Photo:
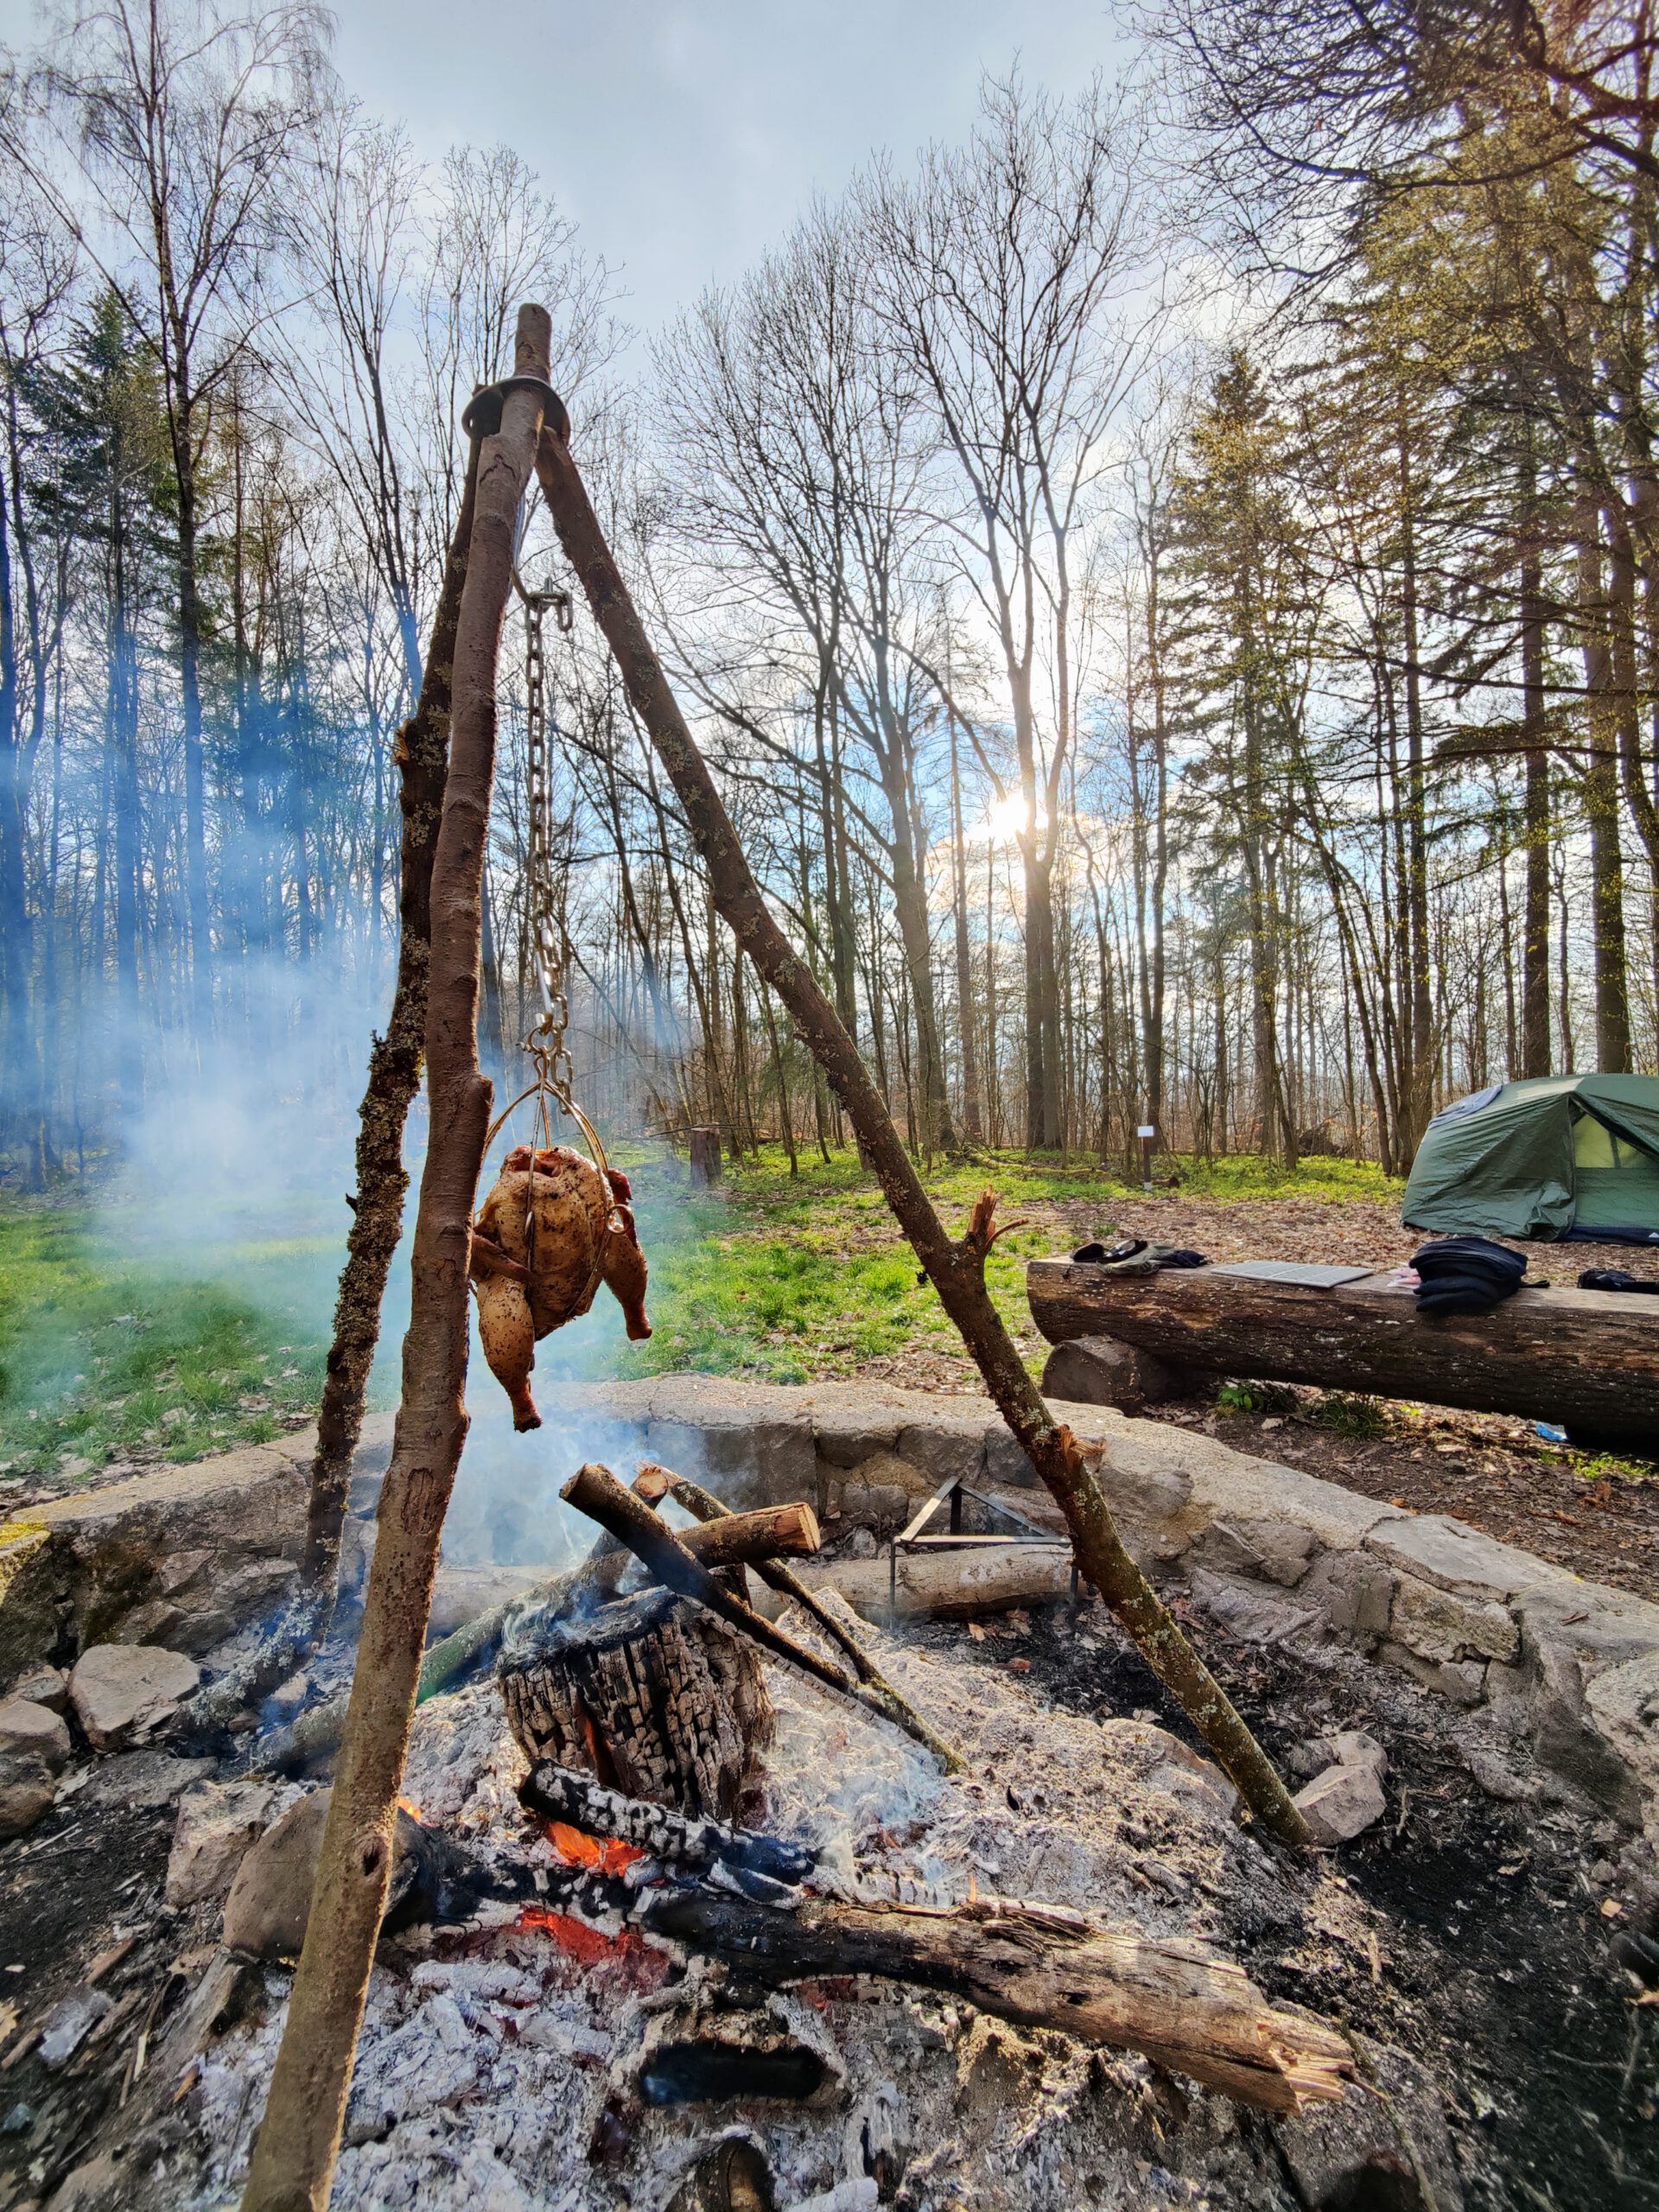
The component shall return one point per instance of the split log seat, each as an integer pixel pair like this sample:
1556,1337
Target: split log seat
1587,1359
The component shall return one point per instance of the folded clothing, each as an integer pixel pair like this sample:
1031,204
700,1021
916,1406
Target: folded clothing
1134,1255
1466,1275
1616,1279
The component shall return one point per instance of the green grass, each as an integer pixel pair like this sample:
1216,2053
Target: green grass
100,1358
106,1351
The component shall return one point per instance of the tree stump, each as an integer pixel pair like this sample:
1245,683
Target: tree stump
705,1155
1100,1371
651,1696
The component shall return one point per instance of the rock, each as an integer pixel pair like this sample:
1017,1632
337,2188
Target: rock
1247,1611
34,1595
47,1686
69,2023
882,1507
1347,1747
1463,1681
122,1692
34,1751
1497,1777
18,2120
1272,1551
1100,1372
1389,2150
1436,1623
1623,1703
218,1823
1353,1592
30,1731
1451,1555
1341,1803
206,1546
27,1794
270,1896
136,1781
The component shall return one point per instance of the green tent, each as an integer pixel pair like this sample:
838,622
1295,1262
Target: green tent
1557,1156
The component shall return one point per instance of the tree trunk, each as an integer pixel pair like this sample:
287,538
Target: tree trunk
1589,1359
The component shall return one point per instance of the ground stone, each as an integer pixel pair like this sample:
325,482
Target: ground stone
1341,1802
1278,1551
121,1692
270,1902
1246,1610
1352,1592
31,1730
27,1793
1436,1623
1347,1747
1463,1681
1624,1703
1451,1555
47,1686
218,1823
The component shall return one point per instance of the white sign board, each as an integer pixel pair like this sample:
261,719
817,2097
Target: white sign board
1147,1129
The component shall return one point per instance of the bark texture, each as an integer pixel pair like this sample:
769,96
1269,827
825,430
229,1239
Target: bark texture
293,2158
956,1270
650,1696
1586,1358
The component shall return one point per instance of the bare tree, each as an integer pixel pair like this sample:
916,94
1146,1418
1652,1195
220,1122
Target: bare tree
178,125
1007,274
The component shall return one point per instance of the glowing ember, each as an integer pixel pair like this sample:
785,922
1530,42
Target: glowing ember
587,1946
598,1856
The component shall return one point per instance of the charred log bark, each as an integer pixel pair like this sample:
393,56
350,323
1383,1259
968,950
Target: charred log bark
650,1696
653,1483
1198,2015
594,1491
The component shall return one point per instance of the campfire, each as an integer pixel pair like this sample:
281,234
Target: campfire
671,1920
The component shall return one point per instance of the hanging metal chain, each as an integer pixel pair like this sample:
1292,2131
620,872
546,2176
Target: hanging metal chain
546,1042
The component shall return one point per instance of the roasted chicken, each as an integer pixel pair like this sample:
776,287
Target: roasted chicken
543,1241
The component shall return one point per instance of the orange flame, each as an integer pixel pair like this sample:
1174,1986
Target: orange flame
587,1946
577,1849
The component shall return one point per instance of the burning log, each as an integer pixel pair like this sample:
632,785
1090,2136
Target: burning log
651,1697
653,1483
557,1794
1038,1965
744,1538
595,1491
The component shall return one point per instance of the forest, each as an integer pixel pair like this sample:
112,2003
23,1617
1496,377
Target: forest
1170,585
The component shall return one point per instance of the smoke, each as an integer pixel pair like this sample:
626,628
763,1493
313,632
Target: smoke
234,1175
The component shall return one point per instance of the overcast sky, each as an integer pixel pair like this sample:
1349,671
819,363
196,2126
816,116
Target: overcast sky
684,137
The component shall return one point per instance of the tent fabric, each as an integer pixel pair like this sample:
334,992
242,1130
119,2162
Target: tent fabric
1550,1157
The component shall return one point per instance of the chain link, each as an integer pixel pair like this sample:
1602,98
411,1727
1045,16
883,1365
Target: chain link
546,1042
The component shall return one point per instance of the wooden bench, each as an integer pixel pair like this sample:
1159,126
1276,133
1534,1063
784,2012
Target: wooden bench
1587,1359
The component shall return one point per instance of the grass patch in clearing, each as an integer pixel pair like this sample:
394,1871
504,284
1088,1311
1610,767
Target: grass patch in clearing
105,1353
100,1359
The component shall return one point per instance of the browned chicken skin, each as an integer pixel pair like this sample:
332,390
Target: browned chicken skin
576,1244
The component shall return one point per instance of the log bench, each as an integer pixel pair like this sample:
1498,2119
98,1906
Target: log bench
1587,1359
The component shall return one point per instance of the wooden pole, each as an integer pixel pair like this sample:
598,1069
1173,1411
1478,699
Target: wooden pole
422,755
956,1270
299,2140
